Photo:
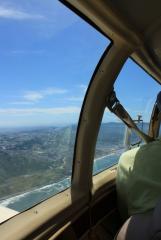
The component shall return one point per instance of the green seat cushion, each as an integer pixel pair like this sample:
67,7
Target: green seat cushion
138,179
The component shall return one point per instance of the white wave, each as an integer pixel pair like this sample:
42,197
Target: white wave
97,159
59,186
12,200
116,152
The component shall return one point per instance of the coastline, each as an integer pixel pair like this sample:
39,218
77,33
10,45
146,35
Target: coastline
97,159
114,152
5,202
55,187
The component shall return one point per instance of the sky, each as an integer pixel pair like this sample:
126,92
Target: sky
47,57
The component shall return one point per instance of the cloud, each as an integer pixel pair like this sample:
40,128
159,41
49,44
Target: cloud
83,86
11,13
33,111
30,97
51,91
75,99
33,96
21,103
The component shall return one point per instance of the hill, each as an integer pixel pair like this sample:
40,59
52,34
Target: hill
33,158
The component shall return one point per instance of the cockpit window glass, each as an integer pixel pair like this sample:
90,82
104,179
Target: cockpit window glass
110,143
137,92
48,55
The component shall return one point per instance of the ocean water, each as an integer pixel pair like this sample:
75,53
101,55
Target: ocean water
28,199
105,162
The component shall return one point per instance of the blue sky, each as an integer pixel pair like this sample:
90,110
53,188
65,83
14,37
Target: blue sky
48,55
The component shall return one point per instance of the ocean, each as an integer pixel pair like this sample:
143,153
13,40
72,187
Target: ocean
28,199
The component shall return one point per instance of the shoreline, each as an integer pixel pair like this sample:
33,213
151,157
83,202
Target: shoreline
110,154
12,198
4,201
97,159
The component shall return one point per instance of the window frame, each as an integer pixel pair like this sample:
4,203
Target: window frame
150,119
87,21
57,210
66,202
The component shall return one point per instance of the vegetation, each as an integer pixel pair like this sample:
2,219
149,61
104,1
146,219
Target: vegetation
33,158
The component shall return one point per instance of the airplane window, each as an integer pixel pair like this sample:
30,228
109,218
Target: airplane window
110,142
137,92
48,55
